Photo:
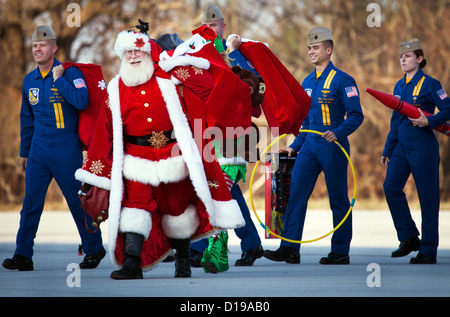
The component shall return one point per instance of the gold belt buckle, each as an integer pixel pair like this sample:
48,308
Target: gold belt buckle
158,139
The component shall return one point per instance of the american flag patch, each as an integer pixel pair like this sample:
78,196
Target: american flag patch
351,91
441,93
79,83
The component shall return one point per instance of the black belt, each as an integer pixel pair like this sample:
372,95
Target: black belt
156,139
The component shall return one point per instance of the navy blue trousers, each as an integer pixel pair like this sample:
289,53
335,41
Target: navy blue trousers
50,158
423,163
313,158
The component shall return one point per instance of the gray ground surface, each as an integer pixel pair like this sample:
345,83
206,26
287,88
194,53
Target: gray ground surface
371,274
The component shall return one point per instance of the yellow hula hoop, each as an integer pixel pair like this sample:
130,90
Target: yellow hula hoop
335,228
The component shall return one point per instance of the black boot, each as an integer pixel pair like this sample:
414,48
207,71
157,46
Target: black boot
131,269
182,257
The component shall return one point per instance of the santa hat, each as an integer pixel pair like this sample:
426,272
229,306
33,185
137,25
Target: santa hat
130,40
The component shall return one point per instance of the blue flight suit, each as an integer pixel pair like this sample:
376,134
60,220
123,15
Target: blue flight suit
415,150
248,234
49,139
334,96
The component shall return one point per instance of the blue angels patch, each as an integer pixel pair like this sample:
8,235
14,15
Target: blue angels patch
33,95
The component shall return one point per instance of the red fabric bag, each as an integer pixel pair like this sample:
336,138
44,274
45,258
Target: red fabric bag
87,119
286,103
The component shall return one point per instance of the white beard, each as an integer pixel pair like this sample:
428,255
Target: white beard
136,75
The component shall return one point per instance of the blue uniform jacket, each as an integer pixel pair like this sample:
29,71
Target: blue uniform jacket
335,96
50,108
426,93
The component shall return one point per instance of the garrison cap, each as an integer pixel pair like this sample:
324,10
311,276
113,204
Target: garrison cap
43,33
409,46
319,34
212,14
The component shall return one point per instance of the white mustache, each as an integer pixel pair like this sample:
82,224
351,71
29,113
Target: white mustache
135,60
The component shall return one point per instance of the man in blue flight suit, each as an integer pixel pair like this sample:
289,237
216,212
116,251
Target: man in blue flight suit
50,148
250,242
412,148
334,96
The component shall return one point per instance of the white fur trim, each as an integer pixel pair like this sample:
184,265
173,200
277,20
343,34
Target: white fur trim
135,220
116,194
92,179
126,41
175,80
184,60
186,143
228,215
182,226
170,170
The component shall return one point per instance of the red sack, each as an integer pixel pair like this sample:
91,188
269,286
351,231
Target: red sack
229,104
87,119
286,103
95,203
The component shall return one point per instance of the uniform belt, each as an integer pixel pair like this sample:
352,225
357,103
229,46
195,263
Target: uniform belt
156,139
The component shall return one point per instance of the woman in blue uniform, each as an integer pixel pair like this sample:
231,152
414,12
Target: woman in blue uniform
411,147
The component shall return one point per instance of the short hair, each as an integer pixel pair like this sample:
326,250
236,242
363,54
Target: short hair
328,43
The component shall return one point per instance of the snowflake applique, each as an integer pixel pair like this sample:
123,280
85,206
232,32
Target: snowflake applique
96,167
213,184
139,42
197,70
182,73
102,84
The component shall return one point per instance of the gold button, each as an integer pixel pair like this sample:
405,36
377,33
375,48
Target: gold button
146,104
149,120
143,92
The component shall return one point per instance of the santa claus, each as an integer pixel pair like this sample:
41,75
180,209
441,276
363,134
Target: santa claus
165,185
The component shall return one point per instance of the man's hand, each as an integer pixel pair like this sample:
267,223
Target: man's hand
329,136
384,160
233,43
23,163
58,71
290,151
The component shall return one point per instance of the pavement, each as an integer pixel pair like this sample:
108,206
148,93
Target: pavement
371,274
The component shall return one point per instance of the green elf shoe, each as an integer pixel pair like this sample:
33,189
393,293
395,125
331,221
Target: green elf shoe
215,257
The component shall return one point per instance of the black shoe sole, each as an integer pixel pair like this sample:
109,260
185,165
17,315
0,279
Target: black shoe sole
126,277
276,258
210,267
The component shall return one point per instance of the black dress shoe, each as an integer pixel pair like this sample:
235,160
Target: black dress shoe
287,254
93,260
406,247
18,262
422,259
334,258
249,257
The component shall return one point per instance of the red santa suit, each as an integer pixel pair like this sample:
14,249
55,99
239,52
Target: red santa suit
172,187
